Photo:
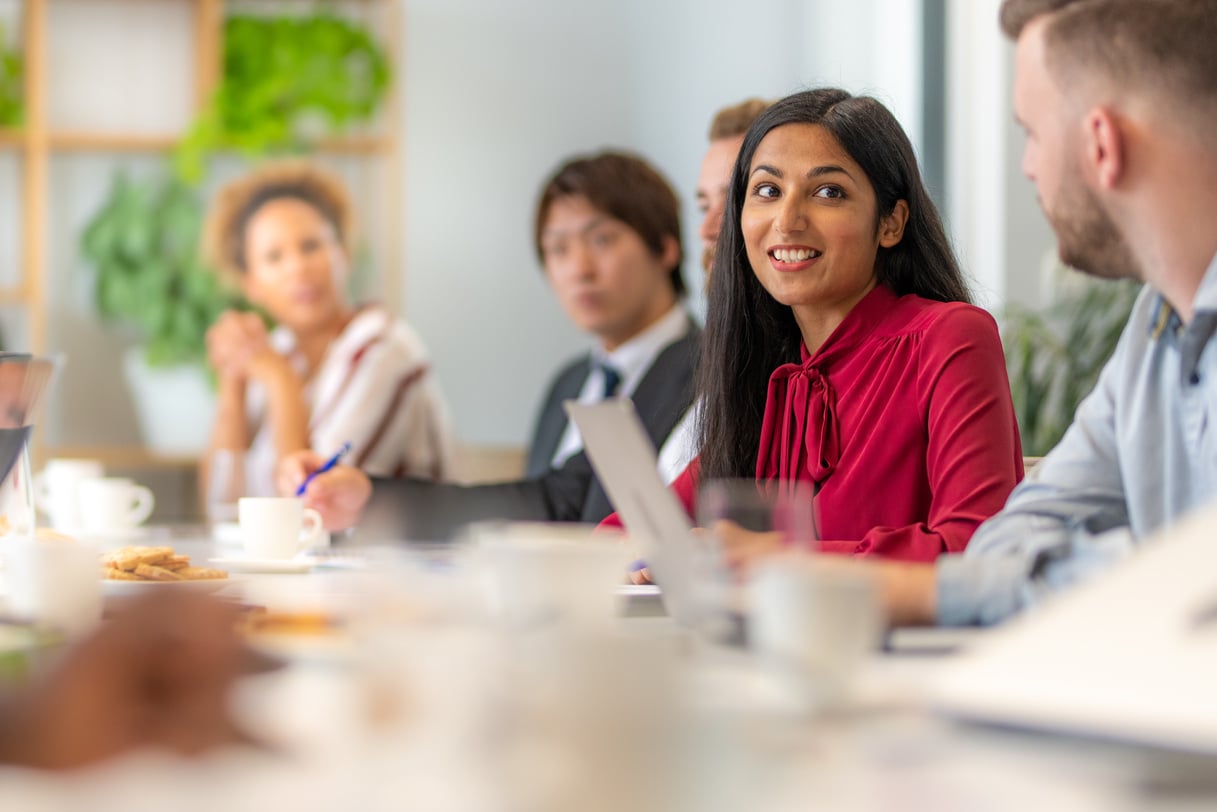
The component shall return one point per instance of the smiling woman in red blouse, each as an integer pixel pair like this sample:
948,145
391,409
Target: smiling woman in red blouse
840,347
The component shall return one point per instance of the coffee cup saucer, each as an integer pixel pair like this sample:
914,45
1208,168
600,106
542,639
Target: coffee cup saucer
267,566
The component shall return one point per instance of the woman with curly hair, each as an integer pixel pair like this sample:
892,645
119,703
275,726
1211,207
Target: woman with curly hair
330,372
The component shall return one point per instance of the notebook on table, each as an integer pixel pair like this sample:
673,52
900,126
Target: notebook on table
1130,655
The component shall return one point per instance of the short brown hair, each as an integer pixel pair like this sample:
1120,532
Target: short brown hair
626,188
1166,49
735,120
1015,14
237,202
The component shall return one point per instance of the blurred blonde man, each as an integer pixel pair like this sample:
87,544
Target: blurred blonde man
1118,99
726,137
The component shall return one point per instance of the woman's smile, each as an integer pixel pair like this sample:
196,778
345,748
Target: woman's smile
792,258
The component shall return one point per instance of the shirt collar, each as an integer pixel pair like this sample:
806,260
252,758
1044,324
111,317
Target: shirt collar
1206,294
633,358
1163,318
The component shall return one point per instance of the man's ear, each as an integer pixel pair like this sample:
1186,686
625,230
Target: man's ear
891,227
670,256
1104,147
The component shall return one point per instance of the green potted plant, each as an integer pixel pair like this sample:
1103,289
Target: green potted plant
287,81
1054,355
143,246
12,79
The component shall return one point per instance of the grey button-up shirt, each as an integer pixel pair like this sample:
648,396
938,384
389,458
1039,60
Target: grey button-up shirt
1142,451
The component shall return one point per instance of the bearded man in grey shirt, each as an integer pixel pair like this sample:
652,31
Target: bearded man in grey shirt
1118,99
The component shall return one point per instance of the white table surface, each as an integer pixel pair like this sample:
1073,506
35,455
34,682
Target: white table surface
427,705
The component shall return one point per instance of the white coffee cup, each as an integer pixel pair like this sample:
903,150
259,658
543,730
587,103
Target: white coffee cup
54,582
56,486
111,504
813,626
545,573
277,527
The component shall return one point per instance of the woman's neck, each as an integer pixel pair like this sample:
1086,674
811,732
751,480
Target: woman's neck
313,344
818,322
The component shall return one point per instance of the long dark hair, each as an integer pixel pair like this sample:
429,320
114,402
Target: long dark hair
748,333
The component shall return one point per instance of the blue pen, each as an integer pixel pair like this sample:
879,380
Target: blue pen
330,463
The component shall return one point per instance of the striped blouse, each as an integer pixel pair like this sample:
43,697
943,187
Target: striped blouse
375,389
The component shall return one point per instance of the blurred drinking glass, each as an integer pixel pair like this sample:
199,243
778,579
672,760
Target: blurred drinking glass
17,498
786,508
781,510
225,485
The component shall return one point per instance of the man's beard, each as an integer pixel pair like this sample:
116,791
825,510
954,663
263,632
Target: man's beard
1087,238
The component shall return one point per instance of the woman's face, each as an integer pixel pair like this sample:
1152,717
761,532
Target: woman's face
809,222
295,266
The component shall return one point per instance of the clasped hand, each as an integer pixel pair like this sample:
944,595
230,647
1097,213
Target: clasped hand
238,347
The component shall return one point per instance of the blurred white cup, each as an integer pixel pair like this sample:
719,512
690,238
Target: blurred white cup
113,504
278,527
54,582
56,489
544,573
813,626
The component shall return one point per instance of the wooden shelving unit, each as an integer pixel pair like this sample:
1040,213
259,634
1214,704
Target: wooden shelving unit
84,141
37,142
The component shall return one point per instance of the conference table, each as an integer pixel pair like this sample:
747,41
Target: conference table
411,695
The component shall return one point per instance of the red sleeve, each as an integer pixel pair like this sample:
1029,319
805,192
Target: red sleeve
685,486
973,457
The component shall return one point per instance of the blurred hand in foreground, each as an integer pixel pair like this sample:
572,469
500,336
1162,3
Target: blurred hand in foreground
743,548
339,494
157,673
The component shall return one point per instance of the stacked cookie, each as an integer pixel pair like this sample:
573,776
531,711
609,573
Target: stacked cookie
154,564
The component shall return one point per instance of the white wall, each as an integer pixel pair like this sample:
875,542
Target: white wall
998,229
497,93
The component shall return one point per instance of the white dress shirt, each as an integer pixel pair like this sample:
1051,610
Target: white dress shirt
632,360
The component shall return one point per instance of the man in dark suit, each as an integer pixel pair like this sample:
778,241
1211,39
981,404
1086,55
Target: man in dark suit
607,232
608,236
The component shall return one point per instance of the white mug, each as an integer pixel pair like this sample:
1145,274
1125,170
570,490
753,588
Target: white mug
55,489
277,527
110,504
542,573
813,626
53,582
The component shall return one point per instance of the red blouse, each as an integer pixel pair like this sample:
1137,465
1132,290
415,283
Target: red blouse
904,423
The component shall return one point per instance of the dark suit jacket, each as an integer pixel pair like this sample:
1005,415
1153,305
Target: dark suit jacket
552,421
426,511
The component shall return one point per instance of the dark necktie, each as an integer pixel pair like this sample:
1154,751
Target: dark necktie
612,381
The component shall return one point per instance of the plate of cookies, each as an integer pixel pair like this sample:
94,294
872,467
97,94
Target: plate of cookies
132,569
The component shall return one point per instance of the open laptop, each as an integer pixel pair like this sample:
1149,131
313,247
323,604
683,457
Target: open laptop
1130,655
625,461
